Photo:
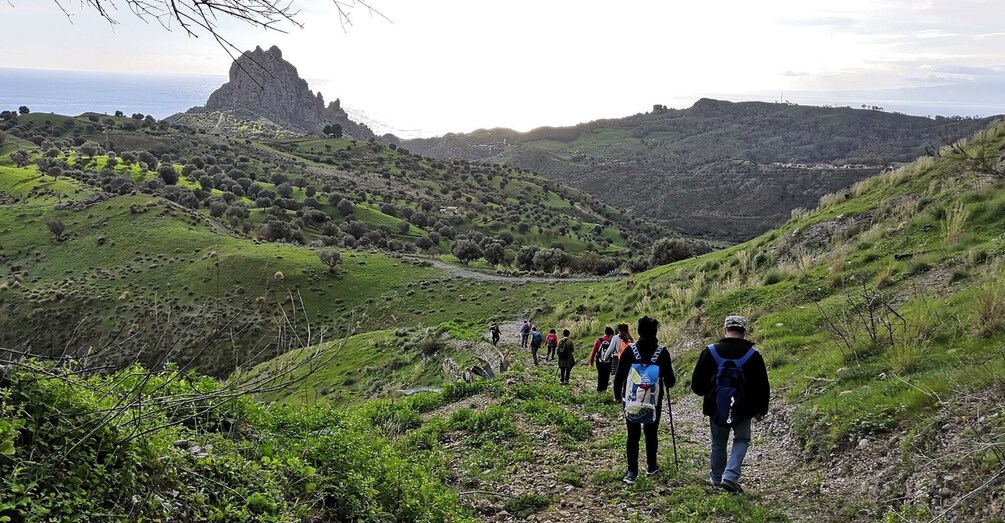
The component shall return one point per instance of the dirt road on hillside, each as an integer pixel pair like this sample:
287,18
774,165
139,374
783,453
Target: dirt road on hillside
471,274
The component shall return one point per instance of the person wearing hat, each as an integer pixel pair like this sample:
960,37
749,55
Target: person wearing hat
733,379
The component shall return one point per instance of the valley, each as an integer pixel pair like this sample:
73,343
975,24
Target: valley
245,313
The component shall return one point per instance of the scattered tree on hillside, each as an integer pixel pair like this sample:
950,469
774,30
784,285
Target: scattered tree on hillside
525,258
56,227
345,207
90,149
333,130
23,109
424,243
669,250
119,113
494,253
168,174
331,258
466,251
548,260
20,157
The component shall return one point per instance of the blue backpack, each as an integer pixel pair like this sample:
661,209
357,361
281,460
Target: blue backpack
642,388
536,340
727,388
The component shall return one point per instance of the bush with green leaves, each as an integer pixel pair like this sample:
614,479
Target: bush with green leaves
76,448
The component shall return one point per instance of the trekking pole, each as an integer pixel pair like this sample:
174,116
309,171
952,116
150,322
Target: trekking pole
673,433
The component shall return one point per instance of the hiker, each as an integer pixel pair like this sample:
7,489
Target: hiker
494,330
524,333
535,343
566,359
619,343
603,366
732,377
645,374
551,341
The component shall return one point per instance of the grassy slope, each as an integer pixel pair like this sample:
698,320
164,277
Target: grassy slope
166,258
428,174
943,287
822,259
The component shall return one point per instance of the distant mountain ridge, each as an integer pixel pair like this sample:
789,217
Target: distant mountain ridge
263,84
718,169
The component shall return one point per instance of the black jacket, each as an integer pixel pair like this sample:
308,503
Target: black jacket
755,375
646,350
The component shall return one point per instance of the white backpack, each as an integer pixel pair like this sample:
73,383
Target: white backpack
642,389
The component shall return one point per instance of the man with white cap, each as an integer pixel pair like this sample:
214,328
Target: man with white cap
732,377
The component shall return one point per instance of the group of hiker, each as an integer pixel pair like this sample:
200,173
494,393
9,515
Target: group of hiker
730,374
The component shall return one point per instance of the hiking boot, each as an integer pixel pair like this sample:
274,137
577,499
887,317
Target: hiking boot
630,478
653,471
713,484
731,486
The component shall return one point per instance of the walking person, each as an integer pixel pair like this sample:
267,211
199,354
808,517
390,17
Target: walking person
495,332
566,358
597,356
551,342
621,340
645,375
524,334
732,377
535,343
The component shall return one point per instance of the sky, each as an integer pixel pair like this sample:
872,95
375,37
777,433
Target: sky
434,66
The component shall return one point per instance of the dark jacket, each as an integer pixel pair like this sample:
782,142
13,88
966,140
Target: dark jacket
646,349
566,358
755,376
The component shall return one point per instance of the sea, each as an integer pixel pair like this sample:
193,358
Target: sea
76,92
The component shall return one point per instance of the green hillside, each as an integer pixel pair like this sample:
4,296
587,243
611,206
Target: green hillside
100,254
880,317
879,314
723,170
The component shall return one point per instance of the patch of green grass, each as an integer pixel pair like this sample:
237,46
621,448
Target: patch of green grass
526,505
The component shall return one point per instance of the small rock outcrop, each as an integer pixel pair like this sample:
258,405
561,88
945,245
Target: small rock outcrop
263,83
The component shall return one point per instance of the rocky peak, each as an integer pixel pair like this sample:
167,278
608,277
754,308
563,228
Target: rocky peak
265,84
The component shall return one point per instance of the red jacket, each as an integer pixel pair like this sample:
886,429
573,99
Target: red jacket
551,340
596,346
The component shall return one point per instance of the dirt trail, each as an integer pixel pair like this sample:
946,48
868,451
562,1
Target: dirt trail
771,471
472,274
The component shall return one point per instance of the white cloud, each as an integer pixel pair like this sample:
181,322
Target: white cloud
457,65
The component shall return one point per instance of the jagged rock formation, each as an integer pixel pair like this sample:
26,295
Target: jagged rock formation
266,85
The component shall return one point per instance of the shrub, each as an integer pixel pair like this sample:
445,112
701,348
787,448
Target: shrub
330,257
669,250
953,226
906,355
56,227
526,505
991,307
775,276
466,251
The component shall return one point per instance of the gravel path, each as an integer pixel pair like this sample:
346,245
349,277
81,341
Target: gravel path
472,274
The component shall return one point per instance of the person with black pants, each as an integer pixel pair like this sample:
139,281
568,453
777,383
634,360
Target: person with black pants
645,351
603,367
566,357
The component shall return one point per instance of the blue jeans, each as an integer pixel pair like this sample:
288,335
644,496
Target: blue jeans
721,468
